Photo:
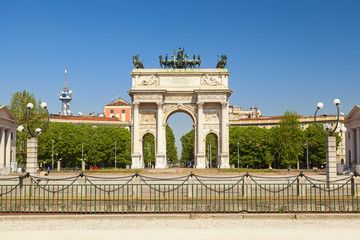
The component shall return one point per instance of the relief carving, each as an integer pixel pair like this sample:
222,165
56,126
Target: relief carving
210,81
150,81
148,116
179,97
212,116
212,106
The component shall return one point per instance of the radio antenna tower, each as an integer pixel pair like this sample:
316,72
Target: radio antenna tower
65,97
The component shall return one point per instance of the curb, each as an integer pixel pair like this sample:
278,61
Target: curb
183,216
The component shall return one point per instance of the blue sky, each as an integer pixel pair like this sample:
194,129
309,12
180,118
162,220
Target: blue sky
282,55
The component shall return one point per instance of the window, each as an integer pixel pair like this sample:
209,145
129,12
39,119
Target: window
111,111
123,111
123,104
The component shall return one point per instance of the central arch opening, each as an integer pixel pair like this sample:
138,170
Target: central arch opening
182,127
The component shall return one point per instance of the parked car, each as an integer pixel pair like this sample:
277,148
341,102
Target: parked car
94,168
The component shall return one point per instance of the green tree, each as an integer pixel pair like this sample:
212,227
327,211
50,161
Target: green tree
211,140
187,142
98,145
171,150
255,146
37,119
149,149
289,139
316,142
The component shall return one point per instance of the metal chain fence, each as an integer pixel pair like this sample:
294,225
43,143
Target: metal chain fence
86,194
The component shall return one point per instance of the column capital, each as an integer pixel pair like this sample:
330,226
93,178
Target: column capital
136,104
160,105
224,104
200,105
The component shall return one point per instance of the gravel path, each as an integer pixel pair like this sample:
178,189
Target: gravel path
181,227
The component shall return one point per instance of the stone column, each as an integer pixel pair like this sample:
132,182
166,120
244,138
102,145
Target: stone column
357,146
2,147
31,156
330,159
8,148
13,147
200,157
135,156
224,162
160,143
353,146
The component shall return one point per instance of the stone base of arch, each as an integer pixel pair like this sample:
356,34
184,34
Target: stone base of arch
160,161
224,161
203,94
136,162
200,161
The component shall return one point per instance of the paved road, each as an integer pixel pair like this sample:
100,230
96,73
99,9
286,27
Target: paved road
179,227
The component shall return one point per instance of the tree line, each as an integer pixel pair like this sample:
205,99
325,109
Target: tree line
71,143
282,146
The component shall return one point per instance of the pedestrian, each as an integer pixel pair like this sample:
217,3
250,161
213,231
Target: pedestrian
73,169
48,170
288,169
77,169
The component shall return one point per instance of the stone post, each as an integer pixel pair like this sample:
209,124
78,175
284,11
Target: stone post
191,182
81,180
356,185
31,156
59,165
135,155
224,157
160,161
330,159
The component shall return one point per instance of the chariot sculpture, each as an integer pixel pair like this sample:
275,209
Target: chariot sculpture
180,61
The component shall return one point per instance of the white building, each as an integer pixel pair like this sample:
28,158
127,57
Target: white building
8,126
352,123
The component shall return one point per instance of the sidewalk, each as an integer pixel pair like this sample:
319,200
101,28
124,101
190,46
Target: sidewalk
176,227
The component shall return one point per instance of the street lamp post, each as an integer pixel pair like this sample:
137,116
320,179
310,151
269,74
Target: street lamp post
307,154
330,144
82,156
238,152
31,155
149,160
52,155
115,155
210,157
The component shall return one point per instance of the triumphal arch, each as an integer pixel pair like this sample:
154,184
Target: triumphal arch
203,94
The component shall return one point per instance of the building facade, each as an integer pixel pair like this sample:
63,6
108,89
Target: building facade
271,121
90,120
8,125
352,123
119,109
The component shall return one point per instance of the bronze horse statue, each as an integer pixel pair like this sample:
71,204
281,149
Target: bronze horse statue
137,62
222,61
